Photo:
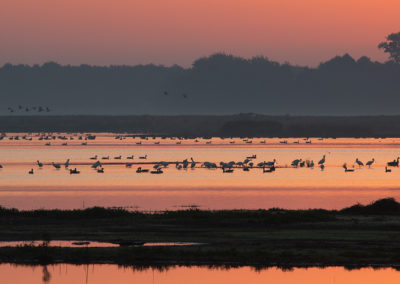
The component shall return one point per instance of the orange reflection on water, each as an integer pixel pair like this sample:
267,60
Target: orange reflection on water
121,186
105,274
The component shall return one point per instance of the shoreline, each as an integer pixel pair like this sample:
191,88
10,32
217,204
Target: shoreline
355,236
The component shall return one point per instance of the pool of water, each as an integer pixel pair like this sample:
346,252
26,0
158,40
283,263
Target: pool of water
121,186
90,244
105,274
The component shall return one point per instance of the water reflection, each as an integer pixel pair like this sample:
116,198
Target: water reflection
102,274
120,186
46,275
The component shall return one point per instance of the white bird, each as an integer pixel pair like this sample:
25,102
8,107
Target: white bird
322,161
359,163
369,163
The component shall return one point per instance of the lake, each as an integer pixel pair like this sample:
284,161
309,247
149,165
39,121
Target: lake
105,274
287,187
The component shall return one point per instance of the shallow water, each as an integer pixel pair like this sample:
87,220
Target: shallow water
119,186
90,244
102,274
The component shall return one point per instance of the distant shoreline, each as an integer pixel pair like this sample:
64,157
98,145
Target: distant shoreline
190,126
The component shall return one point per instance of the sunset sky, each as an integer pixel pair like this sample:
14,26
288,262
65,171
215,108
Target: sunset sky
105,32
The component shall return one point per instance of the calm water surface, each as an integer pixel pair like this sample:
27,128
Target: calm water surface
120,186
105,274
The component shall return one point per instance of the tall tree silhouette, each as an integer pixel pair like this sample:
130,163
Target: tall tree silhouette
392,46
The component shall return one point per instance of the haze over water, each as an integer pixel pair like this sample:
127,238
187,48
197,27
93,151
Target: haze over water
120,186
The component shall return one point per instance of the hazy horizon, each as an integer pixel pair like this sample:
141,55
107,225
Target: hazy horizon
170,32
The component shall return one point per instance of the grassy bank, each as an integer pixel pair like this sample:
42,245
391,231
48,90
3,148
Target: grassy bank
358,235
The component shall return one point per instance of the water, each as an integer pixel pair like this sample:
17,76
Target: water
207,189
89,244
104,274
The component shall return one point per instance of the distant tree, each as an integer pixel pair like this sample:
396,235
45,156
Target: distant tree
392,46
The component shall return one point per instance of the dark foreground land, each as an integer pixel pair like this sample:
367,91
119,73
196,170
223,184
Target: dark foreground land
241,125
355,236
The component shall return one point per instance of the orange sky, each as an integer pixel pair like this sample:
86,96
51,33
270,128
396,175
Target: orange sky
179,31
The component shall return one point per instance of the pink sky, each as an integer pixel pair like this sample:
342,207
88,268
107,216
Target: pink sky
105,32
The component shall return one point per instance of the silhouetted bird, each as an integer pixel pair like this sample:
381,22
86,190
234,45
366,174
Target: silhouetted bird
165,93
184,96
369,163
359,163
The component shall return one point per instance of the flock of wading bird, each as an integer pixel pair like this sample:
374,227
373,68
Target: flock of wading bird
144,140
227,167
